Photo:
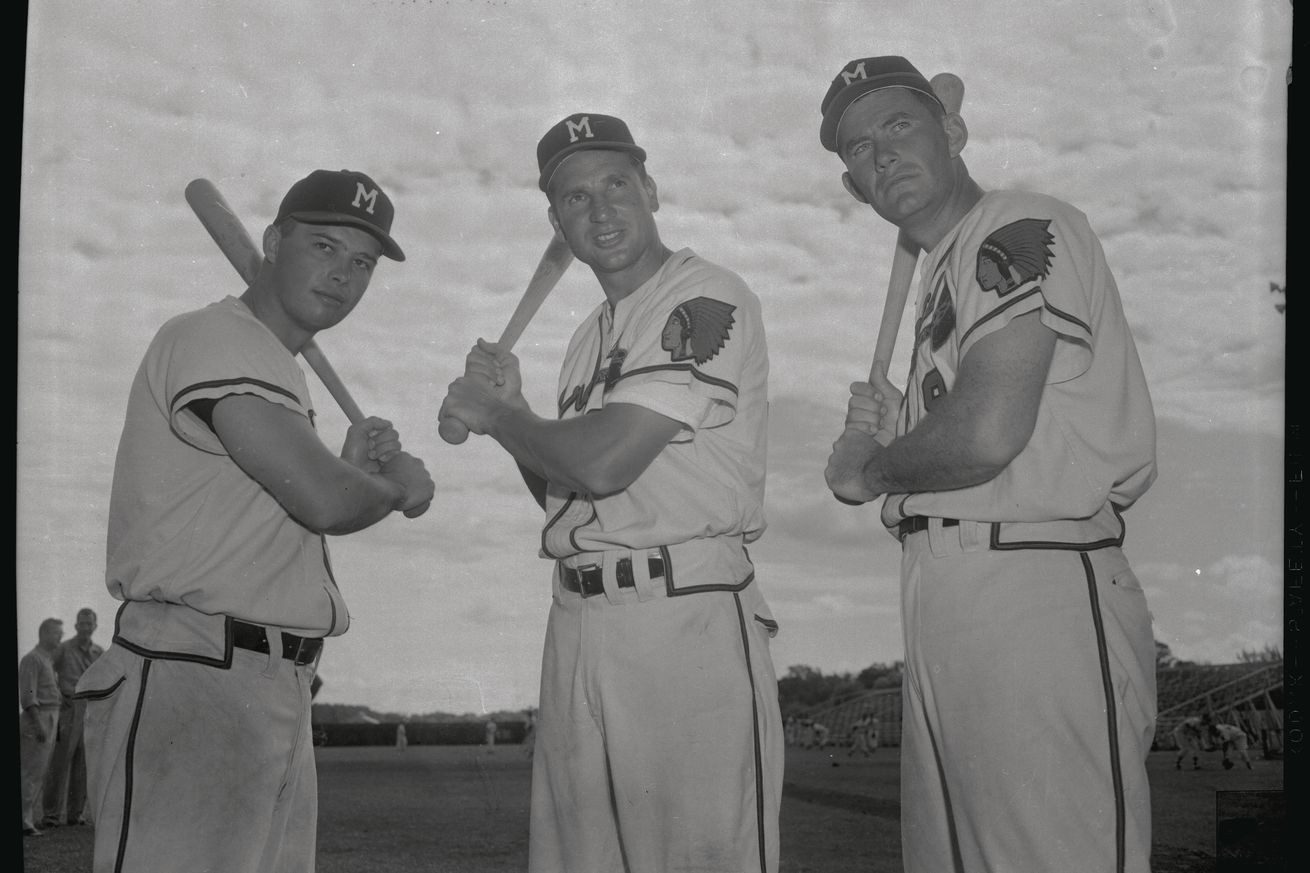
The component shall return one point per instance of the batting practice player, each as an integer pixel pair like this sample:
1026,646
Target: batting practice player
659,740
1025,432
1189,737
198,738
1231,737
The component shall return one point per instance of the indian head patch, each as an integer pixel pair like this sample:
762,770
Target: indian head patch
697,329
1015,255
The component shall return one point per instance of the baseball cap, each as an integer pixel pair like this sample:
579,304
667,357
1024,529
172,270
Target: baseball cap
583,130
859,77
343,197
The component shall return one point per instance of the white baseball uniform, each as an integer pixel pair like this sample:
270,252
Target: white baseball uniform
659,741
1190,738
1030,662
1232,737
199,744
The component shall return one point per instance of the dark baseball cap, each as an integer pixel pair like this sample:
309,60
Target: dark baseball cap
583,130
859,77
343,197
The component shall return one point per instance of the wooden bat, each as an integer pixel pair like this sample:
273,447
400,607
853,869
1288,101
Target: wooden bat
229,232
950,91
554,261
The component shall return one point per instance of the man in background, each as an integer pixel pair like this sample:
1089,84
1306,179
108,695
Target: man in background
38,719
65,781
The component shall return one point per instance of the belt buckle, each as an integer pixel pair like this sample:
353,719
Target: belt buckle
591,580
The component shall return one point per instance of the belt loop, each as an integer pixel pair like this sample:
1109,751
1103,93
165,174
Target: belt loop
609,573
274,653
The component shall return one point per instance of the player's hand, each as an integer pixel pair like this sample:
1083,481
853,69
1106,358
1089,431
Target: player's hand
499,367
410,473
874,406
845,471
473,400
370,444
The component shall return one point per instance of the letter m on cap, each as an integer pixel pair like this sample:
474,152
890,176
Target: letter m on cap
365,195
857,73
583,127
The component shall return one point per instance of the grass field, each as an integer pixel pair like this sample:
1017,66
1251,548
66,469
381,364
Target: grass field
463,809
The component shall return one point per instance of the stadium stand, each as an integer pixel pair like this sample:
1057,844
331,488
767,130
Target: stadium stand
1249,695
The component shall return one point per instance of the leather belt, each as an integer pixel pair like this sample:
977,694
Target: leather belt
916,523
301,650
589,579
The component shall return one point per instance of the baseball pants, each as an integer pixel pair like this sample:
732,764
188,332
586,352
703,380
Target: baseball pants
659,741
1029,710
200,769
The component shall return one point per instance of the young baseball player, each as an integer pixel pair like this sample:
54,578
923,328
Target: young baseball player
198,714
659,740
1025,433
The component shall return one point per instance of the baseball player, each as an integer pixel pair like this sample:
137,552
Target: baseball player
860,737
1190,737
659,740
1231,737
1025,433
199,748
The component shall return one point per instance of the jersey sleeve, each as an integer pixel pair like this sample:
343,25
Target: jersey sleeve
211,355
1031,256
690,347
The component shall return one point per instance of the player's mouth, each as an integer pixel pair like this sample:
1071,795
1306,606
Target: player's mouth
607,239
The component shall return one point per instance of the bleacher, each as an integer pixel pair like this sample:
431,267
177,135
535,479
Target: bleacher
1249,695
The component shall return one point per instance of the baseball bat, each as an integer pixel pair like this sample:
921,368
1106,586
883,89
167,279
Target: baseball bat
950,91
554,261
229,232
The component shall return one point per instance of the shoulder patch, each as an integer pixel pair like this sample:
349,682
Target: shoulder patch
1014,255
697,329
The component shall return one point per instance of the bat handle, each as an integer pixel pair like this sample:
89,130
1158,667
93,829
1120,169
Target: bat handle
453,431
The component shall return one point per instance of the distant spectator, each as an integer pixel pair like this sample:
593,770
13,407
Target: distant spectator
402,741
65,781
38,703
491,735
820,734
530,732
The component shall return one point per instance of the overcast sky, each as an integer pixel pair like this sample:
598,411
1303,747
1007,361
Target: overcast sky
1164,122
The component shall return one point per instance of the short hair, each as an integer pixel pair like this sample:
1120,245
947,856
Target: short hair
50,623
86,610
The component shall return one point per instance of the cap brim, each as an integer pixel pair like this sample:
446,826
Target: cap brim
389,247
558,158
837,109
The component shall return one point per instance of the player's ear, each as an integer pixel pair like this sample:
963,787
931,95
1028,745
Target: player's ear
272,239
554,222
957,134
853,188
652,192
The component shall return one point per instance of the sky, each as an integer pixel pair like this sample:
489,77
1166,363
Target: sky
1164,122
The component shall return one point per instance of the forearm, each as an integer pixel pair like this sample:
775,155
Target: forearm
556,451
351,500
943,453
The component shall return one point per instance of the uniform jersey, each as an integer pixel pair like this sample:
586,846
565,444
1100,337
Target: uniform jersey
682,639
186,524
688,345
1012,254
